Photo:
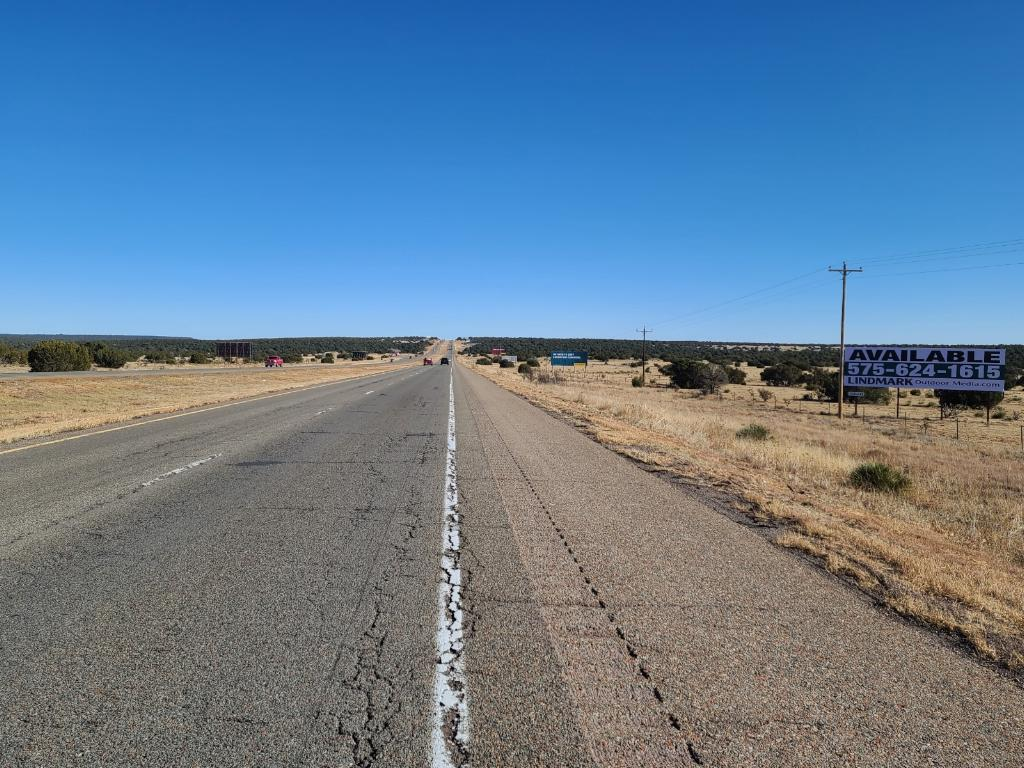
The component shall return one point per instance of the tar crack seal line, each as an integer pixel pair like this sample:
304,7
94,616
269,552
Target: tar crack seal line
179,470
449,744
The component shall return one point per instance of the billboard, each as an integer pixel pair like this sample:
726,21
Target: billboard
568,357
497,351
975,369
229,349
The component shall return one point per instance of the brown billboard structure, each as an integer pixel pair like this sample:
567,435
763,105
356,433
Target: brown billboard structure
230,349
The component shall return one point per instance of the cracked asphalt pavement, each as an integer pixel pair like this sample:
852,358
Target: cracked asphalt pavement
273,606
259,586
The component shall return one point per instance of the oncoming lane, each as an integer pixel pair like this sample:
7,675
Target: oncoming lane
275,604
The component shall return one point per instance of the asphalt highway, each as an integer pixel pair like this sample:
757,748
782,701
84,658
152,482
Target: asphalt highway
272,605
299,581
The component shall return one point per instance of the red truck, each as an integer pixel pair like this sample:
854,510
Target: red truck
428,361
273,362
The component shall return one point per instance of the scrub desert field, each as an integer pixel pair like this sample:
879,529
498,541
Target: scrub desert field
40,405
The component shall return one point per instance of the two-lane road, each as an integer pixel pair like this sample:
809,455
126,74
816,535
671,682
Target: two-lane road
419,569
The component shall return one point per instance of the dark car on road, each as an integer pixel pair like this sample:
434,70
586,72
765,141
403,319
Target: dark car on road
444,361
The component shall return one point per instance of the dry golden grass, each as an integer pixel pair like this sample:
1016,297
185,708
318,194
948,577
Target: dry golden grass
34,407
949,552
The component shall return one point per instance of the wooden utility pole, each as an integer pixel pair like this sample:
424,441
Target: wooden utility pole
842,331
643,355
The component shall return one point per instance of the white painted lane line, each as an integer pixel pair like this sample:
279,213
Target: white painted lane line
450,737
368,393
179,470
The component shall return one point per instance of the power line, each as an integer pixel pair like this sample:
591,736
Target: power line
960,251
766,295
711,307
911,257
759,301
950,269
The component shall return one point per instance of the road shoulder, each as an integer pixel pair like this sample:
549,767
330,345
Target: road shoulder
762,658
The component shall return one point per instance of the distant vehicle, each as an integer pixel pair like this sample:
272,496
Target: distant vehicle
444,361
273,362
428,361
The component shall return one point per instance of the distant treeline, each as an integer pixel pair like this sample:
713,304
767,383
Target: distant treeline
722,353
165,347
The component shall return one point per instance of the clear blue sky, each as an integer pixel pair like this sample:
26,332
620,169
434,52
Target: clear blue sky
258,169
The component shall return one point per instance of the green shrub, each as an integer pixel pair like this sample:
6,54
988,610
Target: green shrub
876,395
693,374
161,356
782,375
532,362
59,356
637,381
293,359
875,476
915,392
199,358
108,357
736,376
954,400
753,432
506,364
484,361
12,355
523,368
327,358
999,413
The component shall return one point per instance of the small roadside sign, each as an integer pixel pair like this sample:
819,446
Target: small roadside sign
855,394
569,358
